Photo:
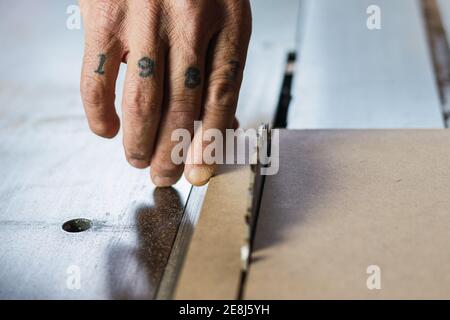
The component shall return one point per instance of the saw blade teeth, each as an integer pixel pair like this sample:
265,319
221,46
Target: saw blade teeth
245,257
255,184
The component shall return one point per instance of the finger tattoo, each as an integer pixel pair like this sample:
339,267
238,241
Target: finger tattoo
100,70
147,67
192,78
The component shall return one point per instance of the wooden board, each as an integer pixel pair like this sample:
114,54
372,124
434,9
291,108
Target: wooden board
351,77
213,265
347,200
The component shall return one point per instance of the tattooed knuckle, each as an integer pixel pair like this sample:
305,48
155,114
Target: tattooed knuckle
146,67
193,78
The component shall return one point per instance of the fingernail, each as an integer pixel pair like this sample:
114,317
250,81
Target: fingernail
199,176
138,163
163,182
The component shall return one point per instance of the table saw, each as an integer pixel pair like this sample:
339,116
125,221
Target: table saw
76,222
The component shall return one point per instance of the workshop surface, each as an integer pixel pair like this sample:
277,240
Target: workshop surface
53,170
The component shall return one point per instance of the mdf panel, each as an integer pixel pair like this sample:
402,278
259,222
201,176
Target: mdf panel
212,268
346,200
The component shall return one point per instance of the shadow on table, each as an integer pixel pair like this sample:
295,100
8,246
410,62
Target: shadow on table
135,271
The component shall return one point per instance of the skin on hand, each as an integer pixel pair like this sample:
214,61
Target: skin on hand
185,62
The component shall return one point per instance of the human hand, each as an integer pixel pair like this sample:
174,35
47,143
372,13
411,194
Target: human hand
185,63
